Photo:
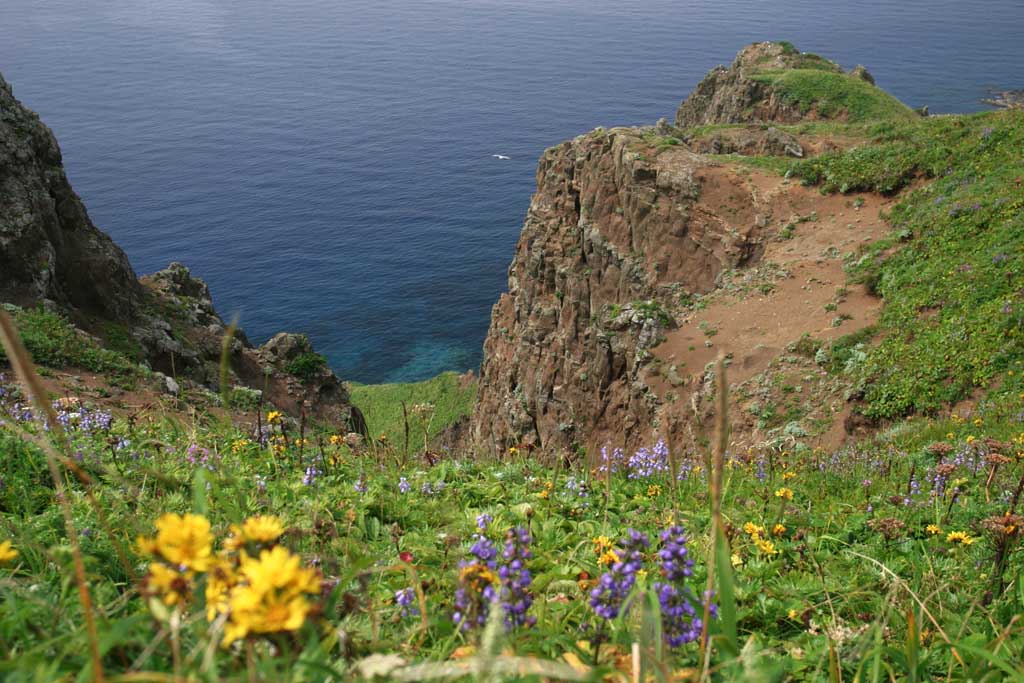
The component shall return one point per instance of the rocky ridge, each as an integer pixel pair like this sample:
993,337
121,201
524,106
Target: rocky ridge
52,255
628,228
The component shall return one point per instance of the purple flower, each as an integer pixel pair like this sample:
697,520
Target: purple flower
403,485
645,463
611,463
516,597
360,485
482,520
311,476
405,598
613,587
680,620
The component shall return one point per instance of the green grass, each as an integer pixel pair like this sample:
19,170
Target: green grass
53,342
382,406
951,272
833,590
832,93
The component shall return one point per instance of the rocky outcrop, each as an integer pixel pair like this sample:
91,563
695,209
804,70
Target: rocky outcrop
49,249
626,226
622,224
52,254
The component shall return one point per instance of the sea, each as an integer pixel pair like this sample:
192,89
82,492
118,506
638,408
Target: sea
328,166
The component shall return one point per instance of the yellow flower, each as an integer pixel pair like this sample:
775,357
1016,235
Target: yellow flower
793,614
653,491
977,422
786,476
641,573
600,543
279,569
270,597
778,529
219,582
752,529
970,438
736,560
172,586
239,445
7,552
933,529
784,493
765,546
959,537
337,439
608,557
273,416
263,529
184,541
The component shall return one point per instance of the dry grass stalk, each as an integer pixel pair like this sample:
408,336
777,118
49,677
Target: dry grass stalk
25,371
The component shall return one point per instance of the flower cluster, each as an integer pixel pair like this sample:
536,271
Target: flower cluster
647,463
515,579
254,584
680,621
405,598
613,587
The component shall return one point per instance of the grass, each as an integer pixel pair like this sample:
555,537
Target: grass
845,576
53,342
950,273
382,406
832,93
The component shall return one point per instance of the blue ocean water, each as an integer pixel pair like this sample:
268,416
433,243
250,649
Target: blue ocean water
326,164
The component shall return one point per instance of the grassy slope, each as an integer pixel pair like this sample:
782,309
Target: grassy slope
831,93
952,272
382,405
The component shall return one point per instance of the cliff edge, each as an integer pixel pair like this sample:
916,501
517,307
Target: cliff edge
640,244
51,255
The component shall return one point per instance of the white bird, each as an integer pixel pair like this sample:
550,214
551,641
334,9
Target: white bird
500,156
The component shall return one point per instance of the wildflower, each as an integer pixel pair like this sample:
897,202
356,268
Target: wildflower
646,463
601,543
7,552
933,529
653,491
784,493
735,560
474,595
262,529
614,585
764,546
793,614
359,486
515,579
183,541
680,623
403,485
959,538
273,417
608,557
220,579
405,599
752,529
240,445
786,476
611,463
482,520
778,529
172,586
311,474
272,597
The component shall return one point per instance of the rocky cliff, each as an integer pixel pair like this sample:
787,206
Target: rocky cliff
631,234
52,255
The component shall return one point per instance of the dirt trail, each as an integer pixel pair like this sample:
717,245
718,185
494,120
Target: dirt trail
798,287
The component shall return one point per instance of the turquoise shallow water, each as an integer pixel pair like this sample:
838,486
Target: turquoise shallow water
326,164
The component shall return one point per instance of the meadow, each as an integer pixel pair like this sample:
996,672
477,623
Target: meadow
179,546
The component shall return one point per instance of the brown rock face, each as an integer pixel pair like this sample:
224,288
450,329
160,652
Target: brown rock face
732,95
618,228
49,249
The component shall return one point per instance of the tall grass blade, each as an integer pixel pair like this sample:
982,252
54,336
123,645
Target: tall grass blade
23,368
